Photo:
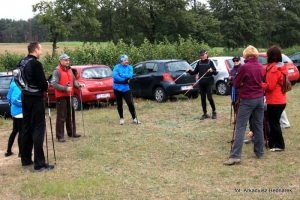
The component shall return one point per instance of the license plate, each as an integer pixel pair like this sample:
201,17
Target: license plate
186,87
102,96
291,70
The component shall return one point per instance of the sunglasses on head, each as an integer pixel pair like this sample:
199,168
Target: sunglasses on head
235,60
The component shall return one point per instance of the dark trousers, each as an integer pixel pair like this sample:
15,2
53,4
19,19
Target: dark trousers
34,130
128,99
274,112
64,113
206,91
17,128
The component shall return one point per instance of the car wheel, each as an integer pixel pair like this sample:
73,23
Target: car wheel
194,95
222,88
76,102
160,95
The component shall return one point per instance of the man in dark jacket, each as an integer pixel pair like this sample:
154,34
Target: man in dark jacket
206,69
34,111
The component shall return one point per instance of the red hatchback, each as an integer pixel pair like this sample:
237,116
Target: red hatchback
98,85
292,69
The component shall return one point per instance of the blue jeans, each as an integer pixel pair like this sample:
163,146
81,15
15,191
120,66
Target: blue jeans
246,108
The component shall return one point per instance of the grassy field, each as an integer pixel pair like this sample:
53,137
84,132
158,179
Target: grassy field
171,155
21,48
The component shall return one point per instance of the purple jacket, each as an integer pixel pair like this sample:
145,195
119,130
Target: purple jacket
249,79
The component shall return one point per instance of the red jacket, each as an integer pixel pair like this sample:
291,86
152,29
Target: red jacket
66,76
274,80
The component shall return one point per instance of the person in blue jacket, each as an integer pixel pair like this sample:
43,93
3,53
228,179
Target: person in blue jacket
14,98
122,73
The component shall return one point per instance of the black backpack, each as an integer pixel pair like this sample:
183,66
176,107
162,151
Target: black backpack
20,77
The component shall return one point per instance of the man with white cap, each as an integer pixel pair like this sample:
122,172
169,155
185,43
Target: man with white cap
64,82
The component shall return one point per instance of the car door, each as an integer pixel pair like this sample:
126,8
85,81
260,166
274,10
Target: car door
51,94
134,82
148,79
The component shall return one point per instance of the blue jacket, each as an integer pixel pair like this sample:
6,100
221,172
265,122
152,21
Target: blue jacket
120,74
14,98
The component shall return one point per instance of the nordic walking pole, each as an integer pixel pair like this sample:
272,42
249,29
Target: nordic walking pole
82,112
197,81
179,77
71,111
46,142
49,114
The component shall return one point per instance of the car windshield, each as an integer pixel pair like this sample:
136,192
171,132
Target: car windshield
178,66
5,82
96,73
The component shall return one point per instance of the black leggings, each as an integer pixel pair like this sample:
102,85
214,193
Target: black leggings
206,90
17,128
128,99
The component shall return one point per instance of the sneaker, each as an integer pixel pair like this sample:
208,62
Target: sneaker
61,140
45,168
232,161
8,153
276,149
247,141
122,121
204,116
136,121
214,115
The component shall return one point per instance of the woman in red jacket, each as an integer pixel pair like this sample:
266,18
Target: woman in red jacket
275,98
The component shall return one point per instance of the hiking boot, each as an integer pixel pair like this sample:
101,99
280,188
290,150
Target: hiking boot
204,116
122,121
61,140
232,161
136,121
45,168
214,115
75,135
8,153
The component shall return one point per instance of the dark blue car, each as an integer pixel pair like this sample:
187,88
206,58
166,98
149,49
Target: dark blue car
5,79
155,79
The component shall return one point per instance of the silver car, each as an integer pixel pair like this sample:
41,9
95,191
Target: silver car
223,64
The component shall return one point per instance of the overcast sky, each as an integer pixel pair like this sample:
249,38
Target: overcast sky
20,9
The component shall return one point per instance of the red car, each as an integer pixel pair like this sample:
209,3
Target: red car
98,86
292,69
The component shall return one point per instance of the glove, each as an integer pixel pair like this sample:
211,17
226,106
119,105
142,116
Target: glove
188,71
127,80
82,85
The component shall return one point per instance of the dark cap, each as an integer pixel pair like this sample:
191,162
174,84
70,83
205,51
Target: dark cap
202,52
236,58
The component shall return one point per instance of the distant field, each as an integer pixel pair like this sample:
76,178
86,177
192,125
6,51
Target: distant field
21,48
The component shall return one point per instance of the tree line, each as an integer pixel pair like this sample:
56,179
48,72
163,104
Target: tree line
224,23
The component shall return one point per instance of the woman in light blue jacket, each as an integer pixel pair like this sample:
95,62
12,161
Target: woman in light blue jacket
122,73
14,98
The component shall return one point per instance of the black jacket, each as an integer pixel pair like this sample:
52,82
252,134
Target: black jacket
202,67
35,75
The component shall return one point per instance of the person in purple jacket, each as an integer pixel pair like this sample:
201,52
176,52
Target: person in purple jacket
249,80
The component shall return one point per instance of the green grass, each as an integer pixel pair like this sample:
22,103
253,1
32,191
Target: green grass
171,155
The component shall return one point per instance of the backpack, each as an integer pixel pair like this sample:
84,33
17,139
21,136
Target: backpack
287,85
20,77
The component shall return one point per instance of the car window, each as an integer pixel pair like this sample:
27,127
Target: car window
177,66
96,73
295,57
262,60
5,82
138,69
150,67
